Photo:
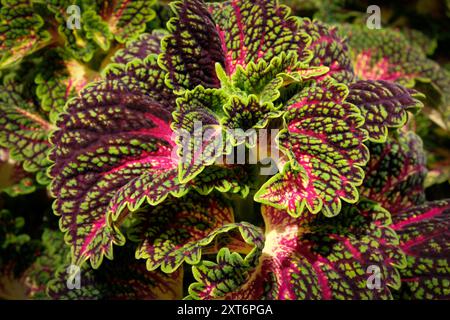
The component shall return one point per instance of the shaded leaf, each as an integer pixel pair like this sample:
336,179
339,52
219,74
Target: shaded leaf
122,279
396,172
146,44
425,239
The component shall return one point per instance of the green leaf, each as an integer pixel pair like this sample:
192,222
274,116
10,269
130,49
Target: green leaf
13,179
230,178
198,130
127,19
244,114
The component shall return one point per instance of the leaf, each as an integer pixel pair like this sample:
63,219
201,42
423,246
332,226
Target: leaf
122,279
146,44
318,258
425,239
113,148
198,130
383,104
176,232
323,141
245,114
20,31
254,92
17,252
329,49
23,131
217,279
95,30
421,40
396,173
127,19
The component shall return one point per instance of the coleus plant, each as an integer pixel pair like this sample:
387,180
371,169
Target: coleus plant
128,160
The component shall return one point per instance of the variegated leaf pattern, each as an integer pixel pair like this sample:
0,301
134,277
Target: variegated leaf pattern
17,252
264,80
329,49
113,148
248,113
97,25
319,258
232,34
24,131
383,104
425,239
51,255
215,279
396,172
80,29
324,143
